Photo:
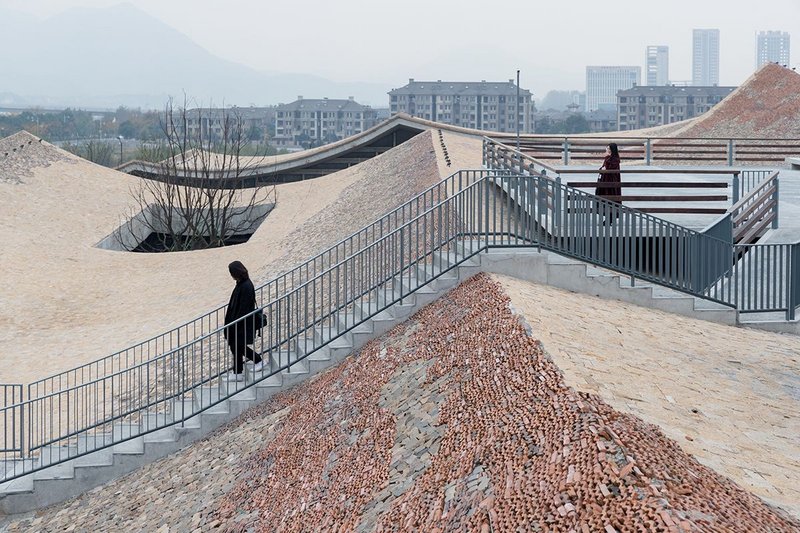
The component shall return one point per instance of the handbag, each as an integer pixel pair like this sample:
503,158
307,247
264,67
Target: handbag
259,320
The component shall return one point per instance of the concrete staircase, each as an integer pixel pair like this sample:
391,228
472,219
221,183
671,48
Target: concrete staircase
548,268
209,406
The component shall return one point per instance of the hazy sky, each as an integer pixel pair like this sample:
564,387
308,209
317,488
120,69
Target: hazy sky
389,42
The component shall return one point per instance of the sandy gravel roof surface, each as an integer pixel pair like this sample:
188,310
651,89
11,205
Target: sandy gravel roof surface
65,302
456,420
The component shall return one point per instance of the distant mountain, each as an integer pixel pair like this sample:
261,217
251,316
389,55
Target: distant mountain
122,55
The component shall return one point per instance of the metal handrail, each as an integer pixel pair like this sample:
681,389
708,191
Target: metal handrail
529,210
756,212
741,182
622,137
32,403
672,149
438,190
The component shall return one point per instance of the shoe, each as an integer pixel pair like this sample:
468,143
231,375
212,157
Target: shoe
258,367
233,376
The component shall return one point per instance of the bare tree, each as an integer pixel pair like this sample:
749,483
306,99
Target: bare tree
204,193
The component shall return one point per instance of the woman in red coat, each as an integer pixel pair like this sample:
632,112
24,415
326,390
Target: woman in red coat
611,162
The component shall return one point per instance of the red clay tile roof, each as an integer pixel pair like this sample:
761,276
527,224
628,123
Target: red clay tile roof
766,105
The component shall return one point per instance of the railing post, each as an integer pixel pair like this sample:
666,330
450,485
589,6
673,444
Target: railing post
776,197
566,151
487,188
735,187
731,152
648,150
399,262
792,287
22,423
557,205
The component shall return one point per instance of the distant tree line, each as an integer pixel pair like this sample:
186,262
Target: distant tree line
575,123
92,135
77,124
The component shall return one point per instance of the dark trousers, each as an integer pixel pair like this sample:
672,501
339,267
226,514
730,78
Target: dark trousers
241,350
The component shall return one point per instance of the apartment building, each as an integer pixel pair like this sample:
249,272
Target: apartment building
482,105
209,123
645,107
313,122
603,83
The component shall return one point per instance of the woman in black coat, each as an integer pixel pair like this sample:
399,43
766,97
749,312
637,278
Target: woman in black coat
242,333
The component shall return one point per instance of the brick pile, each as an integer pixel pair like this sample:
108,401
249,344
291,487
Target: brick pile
456,420
518,449
765,105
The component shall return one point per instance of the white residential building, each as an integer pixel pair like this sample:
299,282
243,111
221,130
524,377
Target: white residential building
603,83
478,105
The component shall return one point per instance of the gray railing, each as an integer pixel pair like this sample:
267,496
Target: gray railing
750,196
483,210
651,150
12,418
766,278
148,395
186,332
757,211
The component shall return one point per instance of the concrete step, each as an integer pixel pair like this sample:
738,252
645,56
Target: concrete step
210,398
234,389
94,456
65,470
54,454
21,485
391,297
183,408
329,335
353,321
316,353
438,276
453,257
296,363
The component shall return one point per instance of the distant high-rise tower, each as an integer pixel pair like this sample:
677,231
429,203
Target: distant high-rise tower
705,58
602,84
657,61
772,47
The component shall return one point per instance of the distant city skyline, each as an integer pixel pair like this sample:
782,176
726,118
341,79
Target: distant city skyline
447,42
